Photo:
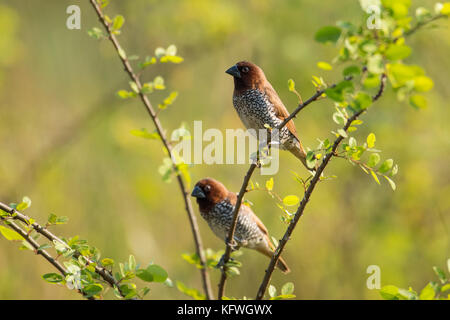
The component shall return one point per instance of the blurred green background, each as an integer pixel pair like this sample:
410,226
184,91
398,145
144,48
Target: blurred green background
66,143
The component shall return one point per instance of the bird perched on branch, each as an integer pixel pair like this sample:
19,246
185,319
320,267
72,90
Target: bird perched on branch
217,204
258,104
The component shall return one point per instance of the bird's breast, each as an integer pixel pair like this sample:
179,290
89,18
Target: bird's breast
255,109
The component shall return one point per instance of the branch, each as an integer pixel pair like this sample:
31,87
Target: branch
228,249
153,115
307,195
15,215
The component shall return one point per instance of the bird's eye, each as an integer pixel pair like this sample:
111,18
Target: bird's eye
245,69
207,188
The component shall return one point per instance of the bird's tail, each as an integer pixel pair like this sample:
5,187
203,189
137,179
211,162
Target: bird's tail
267,250
300,153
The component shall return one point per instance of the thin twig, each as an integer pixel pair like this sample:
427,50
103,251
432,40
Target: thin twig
307,195
153,115
26,236
230,238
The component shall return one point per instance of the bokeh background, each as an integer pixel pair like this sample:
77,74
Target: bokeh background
66,143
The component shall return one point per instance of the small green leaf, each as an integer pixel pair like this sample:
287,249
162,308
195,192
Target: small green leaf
287,289
423,83
291,85
374,158
386,166
342,133
324,65
371,140
389,292
269,184
391,182
26,203
93,289
143,133
418,101
398,52
106,262
10,234
428,292
272,291
328,34
351,70
118,22
291,200
441,274
53,277
375,177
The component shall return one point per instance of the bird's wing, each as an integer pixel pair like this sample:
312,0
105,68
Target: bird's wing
280,109
246,210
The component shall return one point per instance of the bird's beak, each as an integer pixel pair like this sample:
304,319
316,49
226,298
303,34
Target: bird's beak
198,193
234,71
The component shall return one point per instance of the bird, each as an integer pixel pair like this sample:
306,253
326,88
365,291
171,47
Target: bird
216,205
258,104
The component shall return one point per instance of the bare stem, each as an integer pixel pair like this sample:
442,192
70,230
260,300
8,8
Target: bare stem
153,115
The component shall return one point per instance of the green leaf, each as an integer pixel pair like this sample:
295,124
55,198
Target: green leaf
291,85
372,81
53,278
169,100
428,292
287,289
324,65
269,184
371,140
193,293
398,52
26,203
445,9
134,86
361,101
337,93
153,273
44,246
351,70
374,158
386,166
389,292
441,274
272,291
118,22
391,182
158,83
124,94
131,262
106,262
418,101
328,34
423,83
375,177
173,59
342,133
375,64
93,289
171,50
143,133
291,200
10,234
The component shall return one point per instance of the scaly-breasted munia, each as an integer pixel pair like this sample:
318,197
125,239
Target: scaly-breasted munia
217,204
258,104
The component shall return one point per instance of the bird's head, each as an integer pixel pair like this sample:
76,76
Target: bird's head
246,75
209,192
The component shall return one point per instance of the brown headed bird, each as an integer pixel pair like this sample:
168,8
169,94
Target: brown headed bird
257,104
216,205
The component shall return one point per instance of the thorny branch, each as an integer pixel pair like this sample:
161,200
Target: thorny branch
154,116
